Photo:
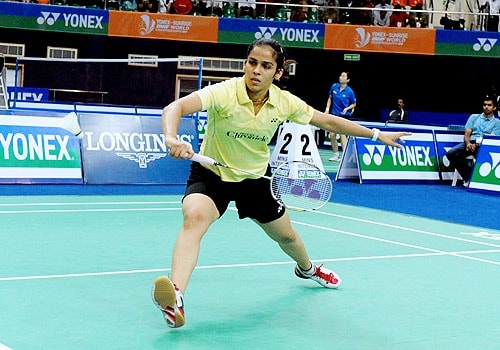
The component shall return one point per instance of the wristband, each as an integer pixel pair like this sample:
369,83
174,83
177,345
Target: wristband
376,132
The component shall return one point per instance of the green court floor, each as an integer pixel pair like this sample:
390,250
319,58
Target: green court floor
76,273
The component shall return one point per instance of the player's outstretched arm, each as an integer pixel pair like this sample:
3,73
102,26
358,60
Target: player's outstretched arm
344,126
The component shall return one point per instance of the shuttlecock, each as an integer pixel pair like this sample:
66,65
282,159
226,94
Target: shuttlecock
71,124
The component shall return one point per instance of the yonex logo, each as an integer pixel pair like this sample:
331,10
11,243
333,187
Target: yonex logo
375,154
265,32
362,38
147,25
71,20
289,34
419,156
445,160
485,169
48,17
484,43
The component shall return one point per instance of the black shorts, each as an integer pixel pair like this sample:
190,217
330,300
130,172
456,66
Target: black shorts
252,197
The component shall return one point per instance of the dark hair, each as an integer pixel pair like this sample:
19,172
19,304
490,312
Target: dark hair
491,98
280,53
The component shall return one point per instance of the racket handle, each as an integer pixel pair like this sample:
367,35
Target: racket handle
203,159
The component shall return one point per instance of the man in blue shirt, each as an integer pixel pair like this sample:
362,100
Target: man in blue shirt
477,125
341,103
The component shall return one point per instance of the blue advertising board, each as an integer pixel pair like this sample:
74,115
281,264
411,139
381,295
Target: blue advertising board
36,150
444,141
486,174
131,150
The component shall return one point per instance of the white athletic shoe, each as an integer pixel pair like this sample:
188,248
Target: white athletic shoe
335,158
169,299
322,275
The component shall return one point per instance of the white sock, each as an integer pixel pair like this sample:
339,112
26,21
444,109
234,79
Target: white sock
309,272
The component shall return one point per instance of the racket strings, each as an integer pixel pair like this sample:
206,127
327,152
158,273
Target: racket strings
304,194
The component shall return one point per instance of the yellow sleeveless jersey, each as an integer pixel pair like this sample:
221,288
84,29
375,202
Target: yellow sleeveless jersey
235,136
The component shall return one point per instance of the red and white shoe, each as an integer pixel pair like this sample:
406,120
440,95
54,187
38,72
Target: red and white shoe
169,299
322,275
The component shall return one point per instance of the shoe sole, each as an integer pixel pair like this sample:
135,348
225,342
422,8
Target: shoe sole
164,296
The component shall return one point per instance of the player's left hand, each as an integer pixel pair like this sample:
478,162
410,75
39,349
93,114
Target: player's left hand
394,139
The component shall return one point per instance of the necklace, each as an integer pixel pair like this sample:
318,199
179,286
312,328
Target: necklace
261,100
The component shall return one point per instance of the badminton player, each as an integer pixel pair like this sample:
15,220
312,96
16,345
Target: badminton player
243,114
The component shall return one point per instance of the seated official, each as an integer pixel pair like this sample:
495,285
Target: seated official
477,125
400,114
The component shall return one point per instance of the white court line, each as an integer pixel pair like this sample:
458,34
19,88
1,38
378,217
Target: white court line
62,204
83,210
433,252
205,267
493,262
4,347
407,229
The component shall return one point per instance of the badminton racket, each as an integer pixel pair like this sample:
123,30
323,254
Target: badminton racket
297,185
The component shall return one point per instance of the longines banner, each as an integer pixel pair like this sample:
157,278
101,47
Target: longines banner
290,34
379,39
131,150
53,18
163,26
468,43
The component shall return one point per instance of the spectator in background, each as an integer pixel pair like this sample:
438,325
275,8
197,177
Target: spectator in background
382,14
367,15
299,14
348,15
180,7
246,8
264,10
399,18
228,10
494,15
400,114
454,11
331,13
147,6
418,18
199,8
214,8
341,103
477,125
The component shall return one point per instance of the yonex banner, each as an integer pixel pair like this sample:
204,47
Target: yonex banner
53,18
379,39
444,141
416,161
163,26
486,174
468,43
290,34
131,150
34,150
